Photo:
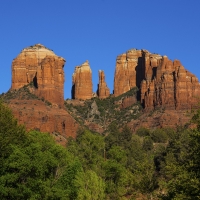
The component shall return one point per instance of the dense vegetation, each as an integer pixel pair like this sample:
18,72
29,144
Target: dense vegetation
159,164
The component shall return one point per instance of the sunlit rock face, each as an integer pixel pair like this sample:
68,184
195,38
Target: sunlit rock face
42,67
161,82
173,87
129,71
103,90
82,82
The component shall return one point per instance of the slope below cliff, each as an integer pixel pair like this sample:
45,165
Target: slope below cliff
124,110
39,114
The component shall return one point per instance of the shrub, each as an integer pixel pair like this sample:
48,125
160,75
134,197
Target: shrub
159,136
142,132
147,143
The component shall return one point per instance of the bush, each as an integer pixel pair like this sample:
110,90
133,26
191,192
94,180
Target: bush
159,136
142,132
147,143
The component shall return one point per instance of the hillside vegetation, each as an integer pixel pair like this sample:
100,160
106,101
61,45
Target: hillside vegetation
160,164
105,111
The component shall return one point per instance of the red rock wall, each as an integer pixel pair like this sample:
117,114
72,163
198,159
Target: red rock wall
173,87
40,65
103,90
82,82
161,81
35,115
129,72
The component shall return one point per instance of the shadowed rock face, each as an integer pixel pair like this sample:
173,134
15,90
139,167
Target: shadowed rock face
41,66
103,90
82,82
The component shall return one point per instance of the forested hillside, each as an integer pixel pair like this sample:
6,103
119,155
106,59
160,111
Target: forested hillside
160,164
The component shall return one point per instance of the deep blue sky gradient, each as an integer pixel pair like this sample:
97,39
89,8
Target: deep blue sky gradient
98,31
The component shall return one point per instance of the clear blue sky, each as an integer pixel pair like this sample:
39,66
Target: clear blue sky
98,31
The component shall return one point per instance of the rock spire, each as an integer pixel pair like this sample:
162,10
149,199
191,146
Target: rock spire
103,90
82,82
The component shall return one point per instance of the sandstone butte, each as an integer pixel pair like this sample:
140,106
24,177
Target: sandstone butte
41,66
82,82
103,90
161,82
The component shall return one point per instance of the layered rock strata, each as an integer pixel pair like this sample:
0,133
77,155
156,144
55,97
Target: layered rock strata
41,66
35,115
129,71
172,87
161,82
82,82
103,90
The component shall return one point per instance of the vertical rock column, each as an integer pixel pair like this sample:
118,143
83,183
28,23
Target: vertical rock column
103,91
129,71
82,82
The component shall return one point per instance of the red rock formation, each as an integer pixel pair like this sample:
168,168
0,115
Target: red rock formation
128,101
82,82
35,115
160,119
172,87
125,72
162,83
103,90
41,66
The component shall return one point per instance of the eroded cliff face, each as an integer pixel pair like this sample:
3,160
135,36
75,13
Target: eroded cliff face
171,87
103,90
162,83
129,71
41,66
82,82
35,115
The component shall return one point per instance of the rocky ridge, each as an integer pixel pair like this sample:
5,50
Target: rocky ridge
149,90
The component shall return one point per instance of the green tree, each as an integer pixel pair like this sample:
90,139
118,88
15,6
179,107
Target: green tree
182,166
10,131
142,132
89,186
147,143
91,148
159,136
118,154
32,170
118,179
145,176
113,136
